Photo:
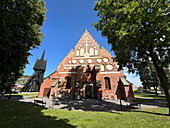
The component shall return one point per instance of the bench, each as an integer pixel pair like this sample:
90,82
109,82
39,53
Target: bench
131,104
36,101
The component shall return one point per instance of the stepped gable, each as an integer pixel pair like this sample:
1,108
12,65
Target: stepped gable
86,50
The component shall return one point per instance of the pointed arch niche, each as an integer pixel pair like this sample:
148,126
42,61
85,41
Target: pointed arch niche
96,52
82,52
102,67
91,51
77,53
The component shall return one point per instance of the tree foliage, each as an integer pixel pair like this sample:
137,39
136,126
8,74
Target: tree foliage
20,32
149,78
138,30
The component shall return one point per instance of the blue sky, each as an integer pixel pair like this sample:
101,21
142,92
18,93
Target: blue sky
66,22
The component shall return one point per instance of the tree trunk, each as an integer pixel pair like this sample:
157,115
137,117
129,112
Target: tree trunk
162,76
9,97
155,88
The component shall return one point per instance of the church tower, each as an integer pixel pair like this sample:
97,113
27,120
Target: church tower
34,82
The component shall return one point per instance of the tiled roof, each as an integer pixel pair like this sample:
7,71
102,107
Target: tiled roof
55,82
124,81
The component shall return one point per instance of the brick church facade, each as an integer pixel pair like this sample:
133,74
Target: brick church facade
87,72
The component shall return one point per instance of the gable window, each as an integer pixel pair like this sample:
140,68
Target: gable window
107,83
68,85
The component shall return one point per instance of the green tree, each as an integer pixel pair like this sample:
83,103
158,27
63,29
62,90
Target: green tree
20,32
149,78
137,31
125,76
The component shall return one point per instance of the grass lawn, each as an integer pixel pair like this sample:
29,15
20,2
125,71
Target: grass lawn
21,115
144,100
152,97
21,94
32,97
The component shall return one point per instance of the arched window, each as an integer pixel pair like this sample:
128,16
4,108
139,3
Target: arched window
107,83
68,85
77,53
102,67
91,51
82,52
96,52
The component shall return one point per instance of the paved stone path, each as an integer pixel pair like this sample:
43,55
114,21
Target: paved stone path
87,104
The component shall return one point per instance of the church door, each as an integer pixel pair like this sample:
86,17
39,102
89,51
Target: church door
88,92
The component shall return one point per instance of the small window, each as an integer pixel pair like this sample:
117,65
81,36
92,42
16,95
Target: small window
68,85
107,83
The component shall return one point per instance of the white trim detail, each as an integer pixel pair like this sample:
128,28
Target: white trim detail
67,72
108,72
106,60
109,67
81,61
87,57
99,60
74,65
74,61
89,61
79,64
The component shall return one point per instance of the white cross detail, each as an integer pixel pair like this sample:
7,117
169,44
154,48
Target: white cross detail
86,45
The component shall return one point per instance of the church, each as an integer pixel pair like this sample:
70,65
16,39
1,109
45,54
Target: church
88,71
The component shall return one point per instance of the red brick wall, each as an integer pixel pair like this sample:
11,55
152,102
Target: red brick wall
66,69
47,83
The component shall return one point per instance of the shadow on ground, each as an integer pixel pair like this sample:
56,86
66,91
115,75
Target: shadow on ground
90,105
152,102
17,115
102,105
95,104
151,113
